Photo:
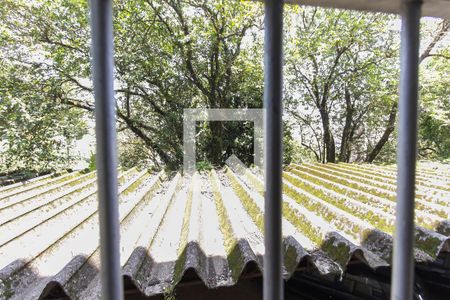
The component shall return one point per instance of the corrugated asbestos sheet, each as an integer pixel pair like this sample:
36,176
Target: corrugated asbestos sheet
212,222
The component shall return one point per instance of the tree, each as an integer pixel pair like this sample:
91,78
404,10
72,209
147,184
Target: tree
341,79
342,84
434,122
34,135
169,55
427,127
337,63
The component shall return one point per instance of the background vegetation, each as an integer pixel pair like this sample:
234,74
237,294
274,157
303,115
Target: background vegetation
341,81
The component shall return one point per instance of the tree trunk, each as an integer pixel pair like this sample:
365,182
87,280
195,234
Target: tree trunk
344,153
444,27
385,137
216,143
328,140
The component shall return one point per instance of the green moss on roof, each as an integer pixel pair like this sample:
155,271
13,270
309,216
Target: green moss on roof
302,224
349,218
235,256
181,261
250,206
330,216
358,194
362,213
290,258
338,251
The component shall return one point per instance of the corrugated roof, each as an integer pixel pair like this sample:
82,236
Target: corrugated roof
211,222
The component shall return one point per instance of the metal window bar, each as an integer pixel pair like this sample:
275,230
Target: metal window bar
105,123
273,131
403,254
102,50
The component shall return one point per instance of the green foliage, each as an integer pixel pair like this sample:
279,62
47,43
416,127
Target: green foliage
92,162
133,152
340,76
434,122
37,131
290,147
233,137
169,55
341,80
34,134
204,165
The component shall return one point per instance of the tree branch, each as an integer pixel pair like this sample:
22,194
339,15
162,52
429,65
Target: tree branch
444,28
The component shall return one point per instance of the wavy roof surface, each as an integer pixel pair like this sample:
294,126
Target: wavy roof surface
211,222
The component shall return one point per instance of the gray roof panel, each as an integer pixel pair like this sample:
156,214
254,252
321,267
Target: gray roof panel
212,223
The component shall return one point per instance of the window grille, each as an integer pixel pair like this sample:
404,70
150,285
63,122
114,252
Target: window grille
403,264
